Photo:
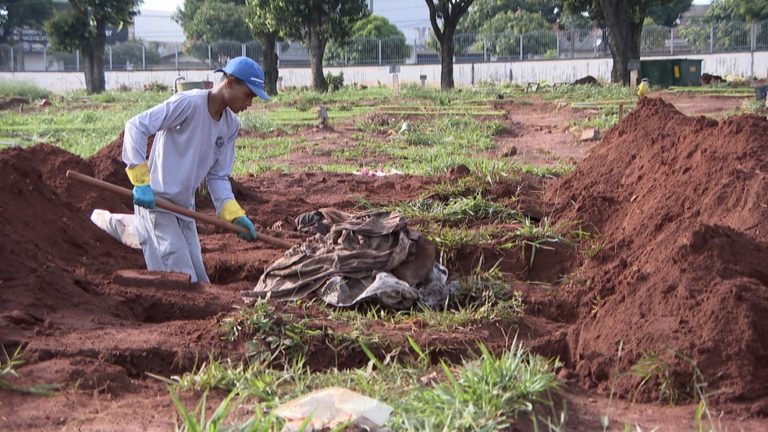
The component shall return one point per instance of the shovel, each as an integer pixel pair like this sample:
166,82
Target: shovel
167,205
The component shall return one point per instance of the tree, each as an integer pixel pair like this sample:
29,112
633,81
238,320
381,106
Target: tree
624,20
667,14
208,21
269,22
15,14
725,21
752,10
84,28
448,12
501,34
319,21
130,52
483,11
363,47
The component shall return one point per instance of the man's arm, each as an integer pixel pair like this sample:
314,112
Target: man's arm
220,188
168,114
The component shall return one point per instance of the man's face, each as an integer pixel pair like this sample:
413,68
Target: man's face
240,96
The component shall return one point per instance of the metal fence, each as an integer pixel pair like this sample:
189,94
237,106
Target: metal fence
691,38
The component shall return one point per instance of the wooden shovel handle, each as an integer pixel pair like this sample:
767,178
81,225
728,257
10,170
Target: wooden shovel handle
167,205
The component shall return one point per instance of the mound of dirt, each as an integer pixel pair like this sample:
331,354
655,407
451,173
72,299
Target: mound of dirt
12,103
108,163
50,249
681,208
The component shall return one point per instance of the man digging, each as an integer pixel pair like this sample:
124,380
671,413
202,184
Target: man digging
195,133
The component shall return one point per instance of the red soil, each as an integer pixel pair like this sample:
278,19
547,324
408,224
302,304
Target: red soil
681,207
679,204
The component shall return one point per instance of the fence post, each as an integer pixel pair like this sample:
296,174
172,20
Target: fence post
13,66
557,45
242,46
573,43
753,37
521,47
77,59
379,51
45,58
672,40
176,54
485,48
712,39
210,62
143,58
110,58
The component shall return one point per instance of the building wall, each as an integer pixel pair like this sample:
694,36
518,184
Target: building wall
552,71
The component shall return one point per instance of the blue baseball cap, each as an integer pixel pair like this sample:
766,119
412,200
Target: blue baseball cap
247,71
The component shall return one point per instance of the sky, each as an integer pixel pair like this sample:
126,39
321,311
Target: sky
411,16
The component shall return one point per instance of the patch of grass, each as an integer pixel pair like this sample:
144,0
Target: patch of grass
22,89
460,210
489,391
8,369
80,126
257,121
450,239
535,236
219,420
749,106
581,93
487,394
605,120
654,370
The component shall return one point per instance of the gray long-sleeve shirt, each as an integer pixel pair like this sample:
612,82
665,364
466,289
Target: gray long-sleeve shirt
190,146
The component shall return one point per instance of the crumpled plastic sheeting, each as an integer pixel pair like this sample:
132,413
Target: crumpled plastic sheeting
368,257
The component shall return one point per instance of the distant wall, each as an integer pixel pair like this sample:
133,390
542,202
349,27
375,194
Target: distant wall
553,71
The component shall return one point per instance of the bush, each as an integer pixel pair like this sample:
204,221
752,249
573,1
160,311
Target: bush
335,82
23,89
157,87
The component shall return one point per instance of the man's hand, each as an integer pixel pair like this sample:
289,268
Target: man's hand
142,191
246,223
144,197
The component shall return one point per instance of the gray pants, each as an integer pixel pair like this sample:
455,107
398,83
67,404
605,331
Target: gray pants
170,243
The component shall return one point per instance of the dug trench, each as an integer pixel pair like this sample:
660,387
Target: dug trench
73,295
675,267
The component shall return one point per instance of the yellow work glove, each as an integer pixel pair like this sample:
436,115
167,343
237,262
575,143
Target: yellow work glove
232,212
142,191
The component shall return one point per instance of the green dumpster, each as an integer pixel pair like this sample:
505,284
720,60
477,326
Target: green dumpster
688,73
671,72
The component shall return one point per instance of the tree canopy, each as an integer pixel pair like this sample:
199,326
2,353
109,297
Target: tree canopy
667,14
16,14
213,21
363,47
483,11
83,27
624,20
319,21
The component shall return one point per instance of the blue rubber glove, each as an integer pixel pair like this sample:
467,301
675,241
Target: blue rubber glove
246,223
144,197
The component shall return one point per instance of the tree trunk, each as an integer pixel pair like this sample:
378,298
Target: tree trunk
447,50
316,53
623,36
269,60
93,59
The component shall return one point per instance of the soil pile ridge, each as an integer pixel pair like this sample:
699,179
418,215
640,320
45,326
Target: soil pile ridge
680,205
52,255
